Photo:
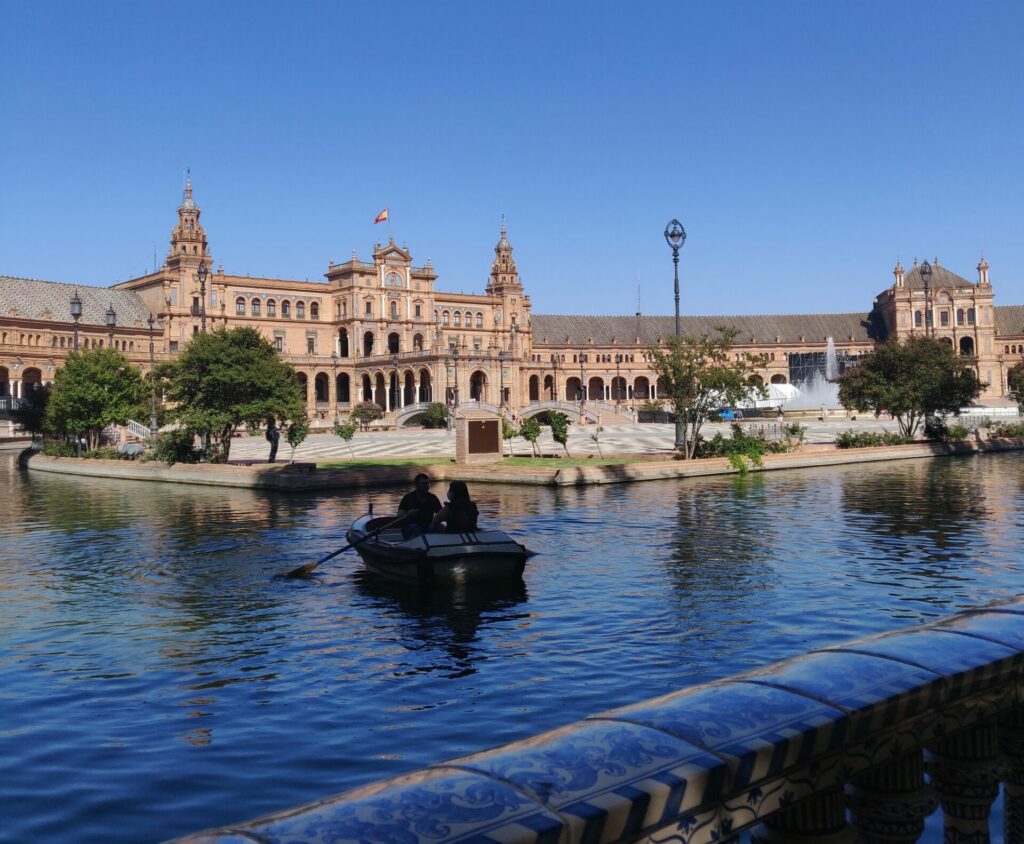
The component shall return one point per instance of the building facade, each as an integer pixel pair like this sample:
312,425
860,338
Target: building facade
383,331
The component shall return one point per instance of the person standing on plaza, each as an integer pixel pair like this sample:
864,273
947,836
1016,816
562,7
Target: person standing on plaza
273,437
418,507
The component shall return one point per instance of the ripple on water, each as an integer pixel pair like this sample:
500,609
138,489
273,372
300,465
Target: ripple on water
159,679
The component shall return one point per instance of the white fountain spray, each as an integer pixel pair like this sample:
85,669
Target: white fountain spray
820,390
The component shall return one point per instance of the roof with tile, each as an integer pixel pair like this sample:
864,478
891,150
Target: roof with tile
941,277
561,330
29,298
1009,320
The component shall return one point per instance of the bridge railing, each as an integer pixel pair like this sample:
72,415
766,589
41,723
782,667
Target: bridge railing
830,746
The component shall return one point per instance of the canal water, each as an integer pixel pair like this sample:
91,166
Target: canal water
156,679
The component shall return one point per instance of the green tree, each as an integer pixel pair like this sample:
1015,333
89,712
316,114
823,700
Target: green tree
346,430
297,433
530,431
1015,381
366,412
31,413
560,429
702,374
95,388
912,380
229,378
435,416
508,433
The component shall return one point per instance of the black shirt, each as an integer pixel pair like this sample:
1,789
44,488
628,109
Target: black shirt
427,505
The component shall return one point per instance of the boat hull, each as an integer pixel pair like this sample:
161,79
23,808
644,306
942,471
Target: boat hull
440,558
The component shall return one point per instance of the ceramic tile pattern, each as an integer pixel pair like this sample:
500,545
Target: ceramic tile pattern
694,766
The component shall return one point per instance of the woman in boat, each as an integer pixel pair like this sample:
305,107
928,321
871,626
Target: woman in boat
459,513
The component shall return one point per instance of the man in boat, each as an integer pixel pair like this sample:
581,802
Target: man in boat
418,507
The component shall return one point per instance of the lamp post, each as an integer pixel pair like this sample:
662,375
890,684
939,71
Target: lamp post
675,237
501,375
926,280
111,325
201,274
394,394
448,402
583,386
455,375
334,375
618,381
554,377
76,314
152,381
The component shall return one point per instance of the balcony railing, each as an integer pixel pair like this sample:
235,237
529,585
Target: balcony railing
833,745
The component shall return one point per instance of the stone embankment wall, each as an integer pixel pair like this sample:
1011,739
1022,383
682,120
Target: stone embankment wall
834,744
302,477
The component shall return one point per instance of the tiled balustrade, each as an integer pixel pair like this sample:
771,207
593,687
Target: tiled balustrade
832,746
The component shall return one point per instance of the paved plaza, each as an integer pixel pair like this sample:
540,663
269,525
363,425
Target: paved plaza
613,439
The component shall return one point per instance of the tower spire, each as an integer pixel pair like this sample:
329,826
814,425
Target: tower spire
504,275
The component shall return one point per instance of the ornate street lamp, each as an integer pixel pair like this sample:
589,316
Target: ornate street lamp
152,381
501,375
394,395
448,401
201,275
111,325
926,280
675,237
583,385
455,374
334,375
554,377
618,381
76,314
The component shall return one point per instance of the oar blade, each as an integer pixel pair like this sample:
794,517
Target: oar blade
302,571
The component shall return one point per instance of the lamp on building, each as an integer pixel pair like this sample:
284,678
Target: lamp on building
201,275
926,280
152,380
501,376
675,237
76,314
111,324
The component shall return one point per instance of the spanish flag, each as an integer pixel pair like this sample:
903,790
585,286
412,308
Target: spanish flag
381,217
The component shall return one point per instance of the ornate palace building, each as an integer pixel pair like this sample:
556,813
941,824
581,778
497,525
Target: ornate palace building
382,331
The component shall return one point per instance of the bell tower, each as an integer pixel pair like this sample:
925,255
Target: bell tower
188,239
504,278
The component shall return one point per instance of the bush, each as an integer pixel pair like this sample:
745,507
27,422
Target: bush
939,430
366,412
867,439
58,448
1009,430
102,454
177,446
435,416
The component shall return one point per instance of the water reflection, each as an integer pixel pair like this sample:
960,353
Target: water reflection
441,626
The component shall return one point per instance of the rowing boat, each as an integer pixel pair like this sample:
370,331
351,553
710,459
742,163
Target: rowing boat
471,557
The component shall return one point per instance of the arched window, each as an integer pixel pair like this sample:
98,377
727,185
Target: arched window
917,319
469,319
943,318
286,309
271,307
314,310
417,342
959,316
255,307
394,309
300,310
479,320
369,307
1006,350
240,306
970,316
458,319
444,318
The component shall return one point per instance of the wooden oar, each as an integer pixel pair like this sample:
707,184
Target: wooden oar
308,568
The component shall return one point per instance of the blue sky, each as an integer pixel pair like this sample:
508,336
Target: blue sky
804,145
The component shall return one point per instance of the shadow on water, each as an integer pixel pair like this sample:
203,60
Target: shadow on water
442,620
